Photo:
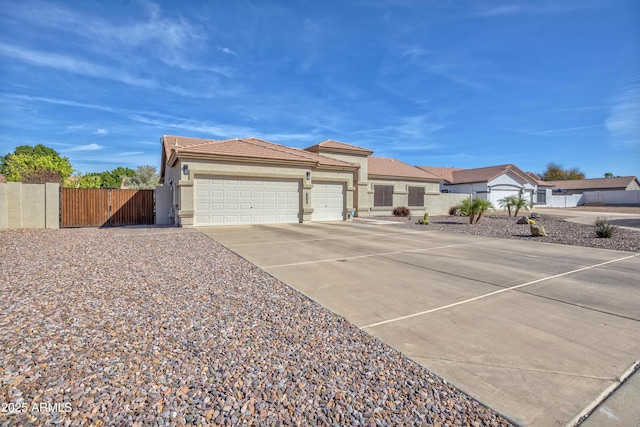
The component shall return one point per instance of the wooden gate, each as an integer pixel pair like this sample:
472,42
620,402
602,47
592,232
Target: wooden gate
95,207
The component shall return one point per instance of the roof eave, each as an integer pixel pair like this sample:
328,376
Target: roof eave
243,159
403,178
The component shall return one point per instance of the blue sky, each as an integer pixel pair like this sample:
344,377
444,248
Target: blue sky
440,83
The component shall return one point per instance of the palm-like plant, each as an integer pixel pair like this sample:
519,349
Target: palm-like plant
466,208
481,206
508,202
521,203
474,207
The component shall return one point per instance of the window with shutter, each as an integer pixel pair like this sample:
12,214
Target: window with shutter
416,196
383,195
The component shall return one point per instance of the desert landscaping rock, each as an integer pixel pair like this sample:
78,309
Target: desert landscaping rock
501,226
173,329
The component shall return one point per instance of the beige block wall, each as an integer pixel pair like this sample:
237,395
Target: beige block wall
4,207
439,204
29,205
400,196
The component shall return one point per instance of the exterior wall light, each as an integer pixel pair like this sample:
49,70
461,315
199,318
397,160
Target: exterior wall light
185,169
308,175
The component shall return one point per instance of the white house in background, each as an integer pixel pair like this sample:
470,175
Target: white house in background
493,183
579,186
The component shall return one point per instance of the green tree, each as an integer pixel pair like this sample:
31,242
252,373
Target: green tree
36,166
88,180
507,202
34,151
555,172
608,175
113,178
145,177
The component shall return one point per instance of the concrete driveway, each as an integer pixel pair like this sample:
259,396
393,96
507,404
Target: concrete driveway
539,332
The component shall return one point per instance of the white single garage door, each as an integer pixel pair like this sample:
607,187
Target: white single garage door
328,202
497,195
228,201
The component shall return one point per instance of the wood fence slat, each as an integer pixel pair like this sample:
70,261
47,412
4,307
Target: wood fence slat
88,207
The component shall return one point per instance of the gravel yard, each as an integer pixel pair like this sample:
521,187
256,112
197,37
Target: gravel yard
174,329
501,226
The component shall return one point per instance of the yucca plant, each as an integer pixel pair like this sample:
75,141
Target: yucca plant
604,229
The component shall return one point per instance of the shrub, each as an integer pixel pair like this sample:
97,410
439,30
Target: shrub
401,211
424,220
604,229
455,210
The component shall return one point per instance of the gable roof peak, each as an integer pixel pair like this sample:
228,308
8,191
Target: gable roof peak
331,145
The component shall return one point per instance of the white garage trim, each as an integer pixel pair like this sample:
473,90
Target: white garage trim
231,201
328,201
497,195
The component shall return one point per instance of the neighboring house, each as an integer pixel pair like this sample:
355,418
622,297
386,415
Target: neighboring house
492,183
2,179
251,181
579,186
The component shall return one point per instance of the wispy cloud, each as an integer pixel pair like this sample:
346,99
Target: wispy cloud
409,134
221,131
101,132
58,101
490,8
167,38
226,50
198,127
555,131
623,121
87,147
71,64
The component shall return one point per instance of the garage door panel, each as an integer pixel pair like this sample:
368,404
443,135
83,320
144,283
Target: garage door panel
246,201
328,202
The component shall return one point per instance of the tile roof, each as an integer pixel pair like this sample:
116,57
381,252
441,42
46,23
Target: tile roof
383,166
464,176
445,174
621,183
538,180
337,145
246,148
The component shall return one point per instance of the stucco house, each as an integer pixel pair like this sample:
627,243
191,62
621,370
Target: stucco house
492,183
252,181
579,186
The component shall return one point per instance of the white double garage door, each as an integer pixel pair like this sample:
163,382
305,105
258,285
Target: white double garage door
229,201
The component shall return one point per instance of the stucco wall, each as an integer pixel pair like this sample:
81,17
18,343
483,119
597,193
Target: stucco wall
29,205
400,196
621,197
564,200
439,204
164,205
473,188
